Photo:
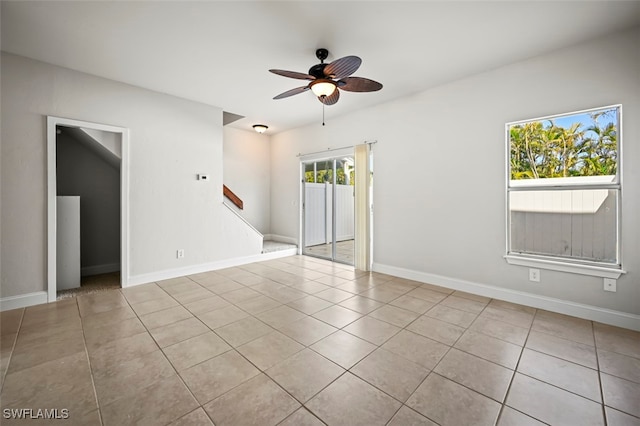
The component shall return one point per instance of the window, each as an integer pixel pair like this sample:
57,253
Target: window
563,190
322,171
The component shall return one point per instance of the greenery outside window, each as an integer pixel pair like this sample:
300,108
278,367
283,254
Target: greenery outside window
564,188
322,171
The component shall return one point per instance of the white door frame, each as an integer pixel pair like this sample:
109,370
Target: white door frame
52,122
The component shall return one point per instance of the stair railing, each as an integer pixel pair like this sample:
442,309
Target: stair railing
232,197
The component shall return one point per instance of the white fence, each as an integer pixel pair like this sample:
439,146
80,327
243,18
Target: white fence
576,223
318,226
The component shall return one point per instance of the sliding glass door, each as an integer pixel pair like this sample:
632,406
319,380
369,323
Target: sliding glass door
328,209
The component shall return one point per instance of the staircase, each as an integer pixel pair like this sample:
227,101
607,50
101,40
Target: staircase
268,246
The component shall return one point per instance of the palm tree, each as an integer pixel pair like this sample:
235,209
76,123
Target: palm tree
546,150
604,144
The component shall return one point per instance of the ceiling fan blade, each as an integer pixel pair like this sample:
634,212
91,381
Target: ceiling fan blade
359,84
292,92
293,74
343,67
331,99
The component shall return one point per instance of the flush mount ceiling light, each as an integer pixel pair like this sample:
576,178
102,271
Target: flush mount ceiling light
260,128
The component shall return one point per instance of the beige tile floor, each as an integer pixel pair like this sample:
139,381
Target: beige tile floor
300,341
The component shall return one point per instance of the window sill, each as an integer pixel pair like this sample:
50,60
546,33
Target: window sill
572,268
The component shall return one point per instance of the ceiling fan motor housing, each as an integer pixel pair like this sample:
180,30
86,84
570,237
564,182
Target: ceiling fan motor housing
317,71
322,54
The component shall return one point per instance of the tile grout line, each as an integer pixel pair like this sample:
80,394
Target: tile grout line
86,352
447,352
165,356
597,369
595,350
432,370
515,369
158,347
302,404
263,372
13,347
348,370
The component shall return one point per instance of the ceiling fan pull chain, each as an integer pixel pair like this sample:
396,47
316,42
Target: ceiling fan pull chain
323,114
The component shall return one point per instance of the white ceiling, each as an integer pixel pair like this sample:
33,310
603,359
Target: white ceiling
219,52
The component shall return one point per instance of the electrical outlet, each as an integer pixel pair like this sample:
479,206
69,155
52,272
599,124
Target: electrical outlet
609,284
534,275
180,254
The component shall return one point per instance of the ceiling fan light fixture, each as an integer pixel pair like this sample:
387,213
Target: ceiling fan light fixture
260,128
323,87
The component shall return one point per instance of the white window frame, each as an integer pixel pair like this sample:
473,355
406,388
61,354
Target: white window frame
558,263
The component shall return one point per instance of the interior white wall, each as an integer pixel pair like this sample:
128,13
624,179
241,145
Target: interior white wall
247,172
439,167
81,172
172,140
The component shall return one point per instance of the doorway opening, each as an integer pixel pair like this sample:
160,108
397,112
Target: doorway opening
87,207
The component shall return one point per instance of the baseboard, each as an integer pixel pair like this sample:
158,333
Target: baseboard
281,239
100,269
29,299
206,267
589,312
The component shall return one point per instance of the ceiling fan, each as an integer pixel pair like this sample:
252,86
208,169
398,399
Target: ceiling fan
326,79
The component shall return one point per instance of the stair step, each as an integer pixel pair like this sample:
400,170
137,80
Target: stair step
269,246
